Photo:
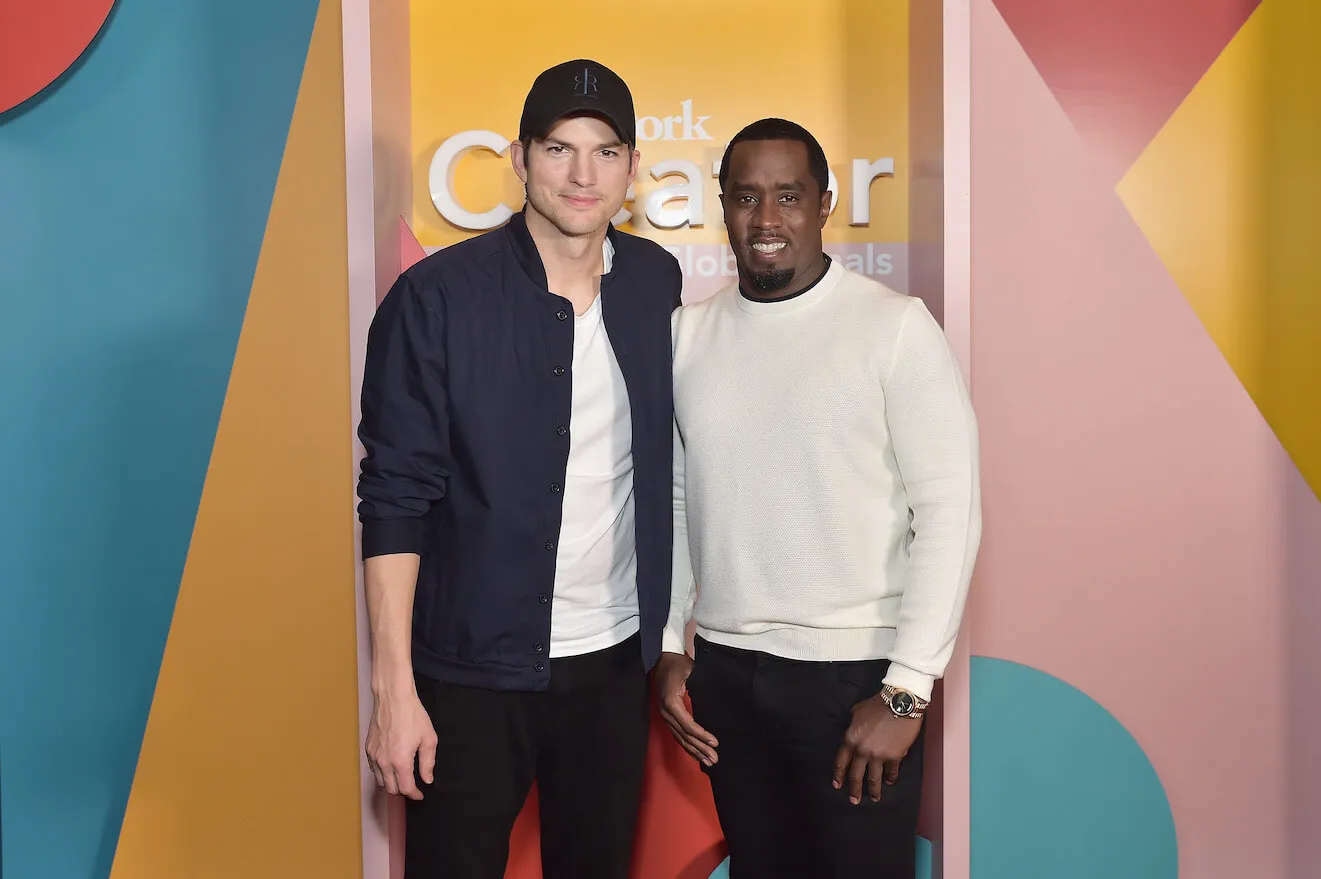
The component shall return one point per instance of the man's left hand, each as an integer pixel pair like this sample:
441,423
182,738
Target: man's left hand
873,746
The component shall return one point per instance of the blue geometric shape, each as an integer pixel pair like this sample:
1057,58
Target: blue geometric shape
1059,786
134,201
923,863
924,857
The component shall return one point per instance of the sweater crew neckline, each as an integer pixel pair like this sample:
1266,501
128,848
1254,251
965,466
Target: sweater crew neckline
789,304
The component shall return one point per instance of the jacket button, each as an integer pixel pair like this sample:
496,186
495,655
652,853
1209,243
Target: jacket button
555,487
550,545
540,666
562,430
562,315
543,598
538,647
559,370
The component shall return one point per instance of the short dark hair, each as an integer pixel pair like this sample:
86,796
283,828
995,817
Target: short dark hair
781,129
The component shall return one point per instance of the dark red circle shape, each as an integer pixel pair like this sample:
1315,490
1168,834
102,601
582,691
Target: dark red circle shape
40,39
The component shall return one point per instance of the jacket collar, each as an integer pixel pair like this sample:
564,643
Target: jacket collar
525,249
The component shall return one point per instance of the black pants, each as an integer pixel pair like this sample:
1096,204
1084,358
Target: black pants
780,724
584,742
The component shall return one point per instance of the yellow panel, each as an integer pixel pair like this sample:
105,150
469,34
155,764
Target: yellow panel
249,767
841,71
1229,194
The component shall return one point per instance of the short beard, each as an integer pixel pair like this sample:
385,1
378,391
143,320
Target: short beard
769,282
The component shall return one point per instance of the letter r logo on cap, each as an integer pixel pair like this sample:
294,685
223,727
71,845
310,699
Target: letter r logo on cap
586,82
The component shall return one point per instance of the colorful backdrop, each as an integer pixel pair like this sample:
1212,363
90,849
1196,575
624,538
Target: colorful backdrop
186,278
1145,365
177,689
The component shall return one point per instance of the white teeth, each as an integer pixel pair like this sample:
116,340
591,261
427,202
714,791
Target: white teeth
769,248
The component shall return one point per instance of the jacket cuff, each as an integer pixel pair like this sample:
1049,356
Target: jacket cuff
915,682
390,536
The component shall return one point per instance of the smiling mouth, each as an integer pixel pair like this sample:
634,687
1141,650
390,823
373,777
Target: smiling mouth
768,248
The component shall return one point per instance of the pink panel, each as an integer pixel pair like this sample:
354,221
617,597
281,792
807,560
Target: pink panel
953,855
410,251
925,280
1303,679
359,175
392,147
1138,506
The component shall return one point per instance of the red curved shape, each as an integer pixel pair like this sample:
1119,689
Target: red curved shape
41,40
1120,68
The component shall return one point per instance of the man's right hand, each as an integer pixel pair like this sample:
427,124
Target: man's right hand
400,731
671,686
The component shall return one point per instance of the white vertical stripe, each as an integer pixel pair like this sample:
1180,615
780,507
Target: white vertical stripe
954,858
359,183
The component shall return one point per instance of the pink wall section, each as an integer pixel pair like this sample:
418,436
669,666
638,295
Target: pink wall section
376,181
391,110
926,280
952,856
1146,530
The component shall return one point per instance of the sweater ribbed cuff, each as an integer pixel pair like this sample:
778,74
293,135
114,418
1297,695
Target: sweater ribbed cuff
673,641
915,682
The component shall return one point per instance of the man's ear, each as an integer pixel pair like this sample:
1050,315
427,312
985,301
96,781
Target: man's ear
518,158
634,164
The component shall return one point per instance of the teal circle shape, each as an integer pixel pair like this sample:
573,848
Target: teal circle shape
923,863
1059,786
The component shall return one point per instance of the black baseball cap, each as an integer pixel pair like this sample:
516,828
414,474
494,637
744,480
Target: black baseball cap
581,86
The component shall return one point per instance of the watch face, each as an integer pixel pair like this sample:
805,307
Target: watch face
902,703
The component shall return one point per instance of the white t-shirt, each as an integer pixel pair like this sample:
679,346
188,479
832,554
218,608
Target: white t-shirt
595,603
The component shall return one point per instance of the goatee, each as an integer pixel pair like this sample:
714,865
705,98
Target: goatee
769,282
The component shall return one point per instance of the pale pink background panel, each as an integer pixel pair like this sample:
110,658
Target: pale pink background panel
1136,500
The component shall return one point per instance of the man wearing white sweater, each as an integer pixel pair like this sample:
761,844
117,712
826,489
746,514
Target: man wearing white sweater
827,517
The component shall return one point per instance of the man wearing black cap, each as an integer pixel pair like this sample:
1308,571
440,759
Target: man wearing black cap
515,501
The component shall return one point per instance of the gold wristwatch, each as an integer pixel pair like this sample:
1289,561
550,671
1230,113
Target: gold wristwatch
903,703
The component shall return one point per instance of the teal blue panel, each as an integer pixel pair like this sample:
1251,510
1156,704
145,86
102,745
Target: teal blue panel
1059,787
924,855
133,199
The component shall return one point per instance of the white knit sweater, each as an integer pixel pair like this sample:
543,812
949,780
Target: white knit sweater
826,478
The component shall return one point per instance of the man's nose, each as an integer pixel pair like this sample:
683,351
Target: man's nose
766,215
582,170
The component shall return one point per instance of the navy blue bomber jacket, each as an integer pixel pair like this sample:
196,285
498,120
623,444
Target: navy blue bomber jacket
465,423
